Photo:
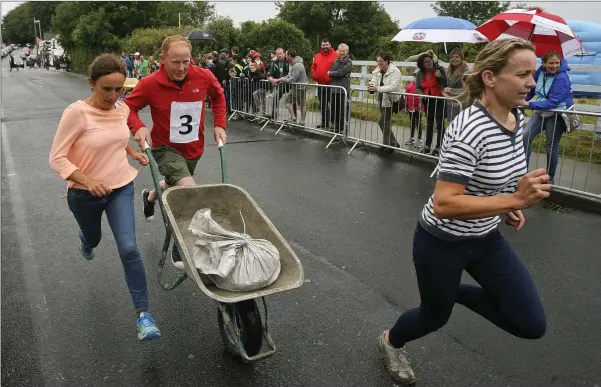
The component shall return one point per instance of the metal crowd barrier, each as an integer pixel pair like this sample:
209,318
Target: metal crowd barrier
578,168
279,104
403,131
362,121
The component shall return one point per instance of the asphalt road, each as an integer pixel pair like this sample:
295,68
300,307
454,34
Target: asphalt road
350,219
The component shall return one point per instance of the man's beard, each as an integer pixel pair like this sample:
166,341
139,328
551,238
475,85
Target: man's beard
326,49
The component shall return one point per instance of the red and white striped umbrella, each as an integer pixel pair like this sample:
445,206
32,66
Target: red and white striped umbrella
546,31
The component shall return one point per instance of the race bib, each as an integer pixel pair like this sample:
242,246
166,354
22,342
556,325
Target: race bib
185,122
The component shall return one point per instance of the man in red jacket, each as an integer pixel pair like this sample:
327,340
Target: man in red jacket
176,94
322,62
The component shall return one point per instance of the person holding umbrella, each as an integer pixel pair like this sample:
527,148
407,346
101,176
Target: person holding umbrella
481,177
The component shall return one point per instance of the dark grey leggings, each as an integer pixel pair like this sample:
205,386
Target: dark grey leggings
507,296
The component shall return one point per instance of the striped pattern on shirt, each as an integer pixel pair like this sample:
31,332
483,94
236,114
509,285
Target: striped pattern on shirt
488,159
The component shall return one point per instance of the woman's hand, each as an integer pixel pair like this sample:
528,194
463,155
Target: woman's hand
437,74
372,88
97,188
532,188
515,219
141,158
447,90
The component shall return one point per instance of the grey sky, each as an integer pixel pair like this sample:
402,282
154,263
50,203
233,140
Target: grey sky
404,12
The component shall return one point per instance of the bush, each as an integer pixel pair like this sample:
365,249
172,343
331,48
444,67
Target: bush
148,41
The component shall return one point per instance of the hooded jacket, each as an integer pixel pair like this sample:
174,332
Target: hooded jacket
553,91
322,62
297,74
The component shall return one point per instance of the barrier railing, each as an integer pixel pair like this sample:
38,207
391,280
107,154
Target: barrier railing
374,122
572,159
292,106
362,121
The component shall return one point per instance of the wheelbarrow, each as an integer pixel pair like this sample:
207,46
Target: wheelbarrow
240,324
128,86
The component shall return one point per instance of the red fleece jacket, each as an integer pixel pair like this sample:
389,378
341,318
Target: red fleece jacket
322,63
158,92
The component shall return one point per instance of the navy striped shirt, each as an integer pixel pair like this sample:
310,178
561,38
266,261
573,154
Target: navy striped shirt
480,153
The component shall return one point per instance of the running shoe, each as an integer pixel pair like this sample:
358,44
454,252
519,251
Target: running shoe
148,206
87,252
147,328
396,362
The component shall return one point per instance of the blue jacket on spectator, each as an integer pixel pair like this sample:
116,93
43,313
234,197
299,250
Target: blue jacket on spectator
553,91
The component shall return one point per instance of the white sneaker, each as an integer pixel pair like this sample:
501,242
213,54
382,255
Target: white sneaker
396,362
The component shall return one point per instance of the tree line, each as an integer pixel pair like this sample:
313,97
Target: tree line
91,27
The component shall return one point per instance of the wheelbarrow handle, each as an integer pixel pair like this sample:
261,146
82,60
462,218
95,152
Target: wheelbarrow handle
223,163
156,180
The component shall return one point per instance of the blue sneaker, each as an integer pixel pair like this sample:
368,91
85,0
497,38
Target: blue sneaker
147,329
87,252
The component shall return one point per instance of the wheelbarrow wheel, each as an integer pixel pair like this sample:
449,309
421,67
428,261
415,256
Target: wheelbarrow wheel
249,326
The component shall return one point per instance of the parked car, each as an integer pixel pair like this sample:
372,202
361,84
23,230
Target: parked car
19,62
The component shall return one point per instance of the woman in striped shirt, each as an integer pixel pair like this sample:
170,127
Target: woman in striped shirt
481,176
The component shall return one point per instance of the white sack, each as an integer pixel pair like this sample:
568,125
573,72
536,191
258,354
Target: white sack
232,260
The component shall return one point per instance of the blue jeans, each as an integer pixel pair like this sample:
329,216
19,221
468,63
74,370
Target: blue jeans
119,208
554,128
507,296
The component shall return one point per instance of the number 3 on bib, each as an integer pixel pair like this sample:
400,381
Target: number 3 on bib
184,122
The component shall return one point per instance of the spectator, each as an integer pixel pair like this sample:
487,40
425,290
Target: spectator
297,93
154,65
143,67
221,71
553,90
430,81
322,63
280,67
236,73
415,110
340,73
455,82
255,76
129,66
136,64
256,57
386,79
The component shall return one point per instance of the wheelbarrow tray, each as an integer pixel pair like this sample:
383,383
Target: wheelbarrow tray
226,201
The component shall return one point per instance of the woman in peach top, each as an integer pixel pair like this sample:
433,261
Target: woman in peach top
90,152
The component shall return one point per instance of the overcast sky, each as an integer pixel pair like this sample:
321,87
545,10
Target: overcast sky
404,12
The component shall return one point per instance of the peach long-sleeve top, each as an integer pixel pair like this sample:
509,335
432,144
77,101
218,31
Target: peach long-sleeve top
93,141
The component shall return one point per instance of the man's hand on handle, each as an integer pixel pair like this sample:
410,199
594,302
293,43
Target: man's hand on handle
219,134
141,136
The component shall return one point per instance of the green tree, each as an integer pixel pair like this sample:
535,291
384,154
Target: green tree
224,32
360,24
148,41
274,33
193,13
475,11
17,25
66,18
